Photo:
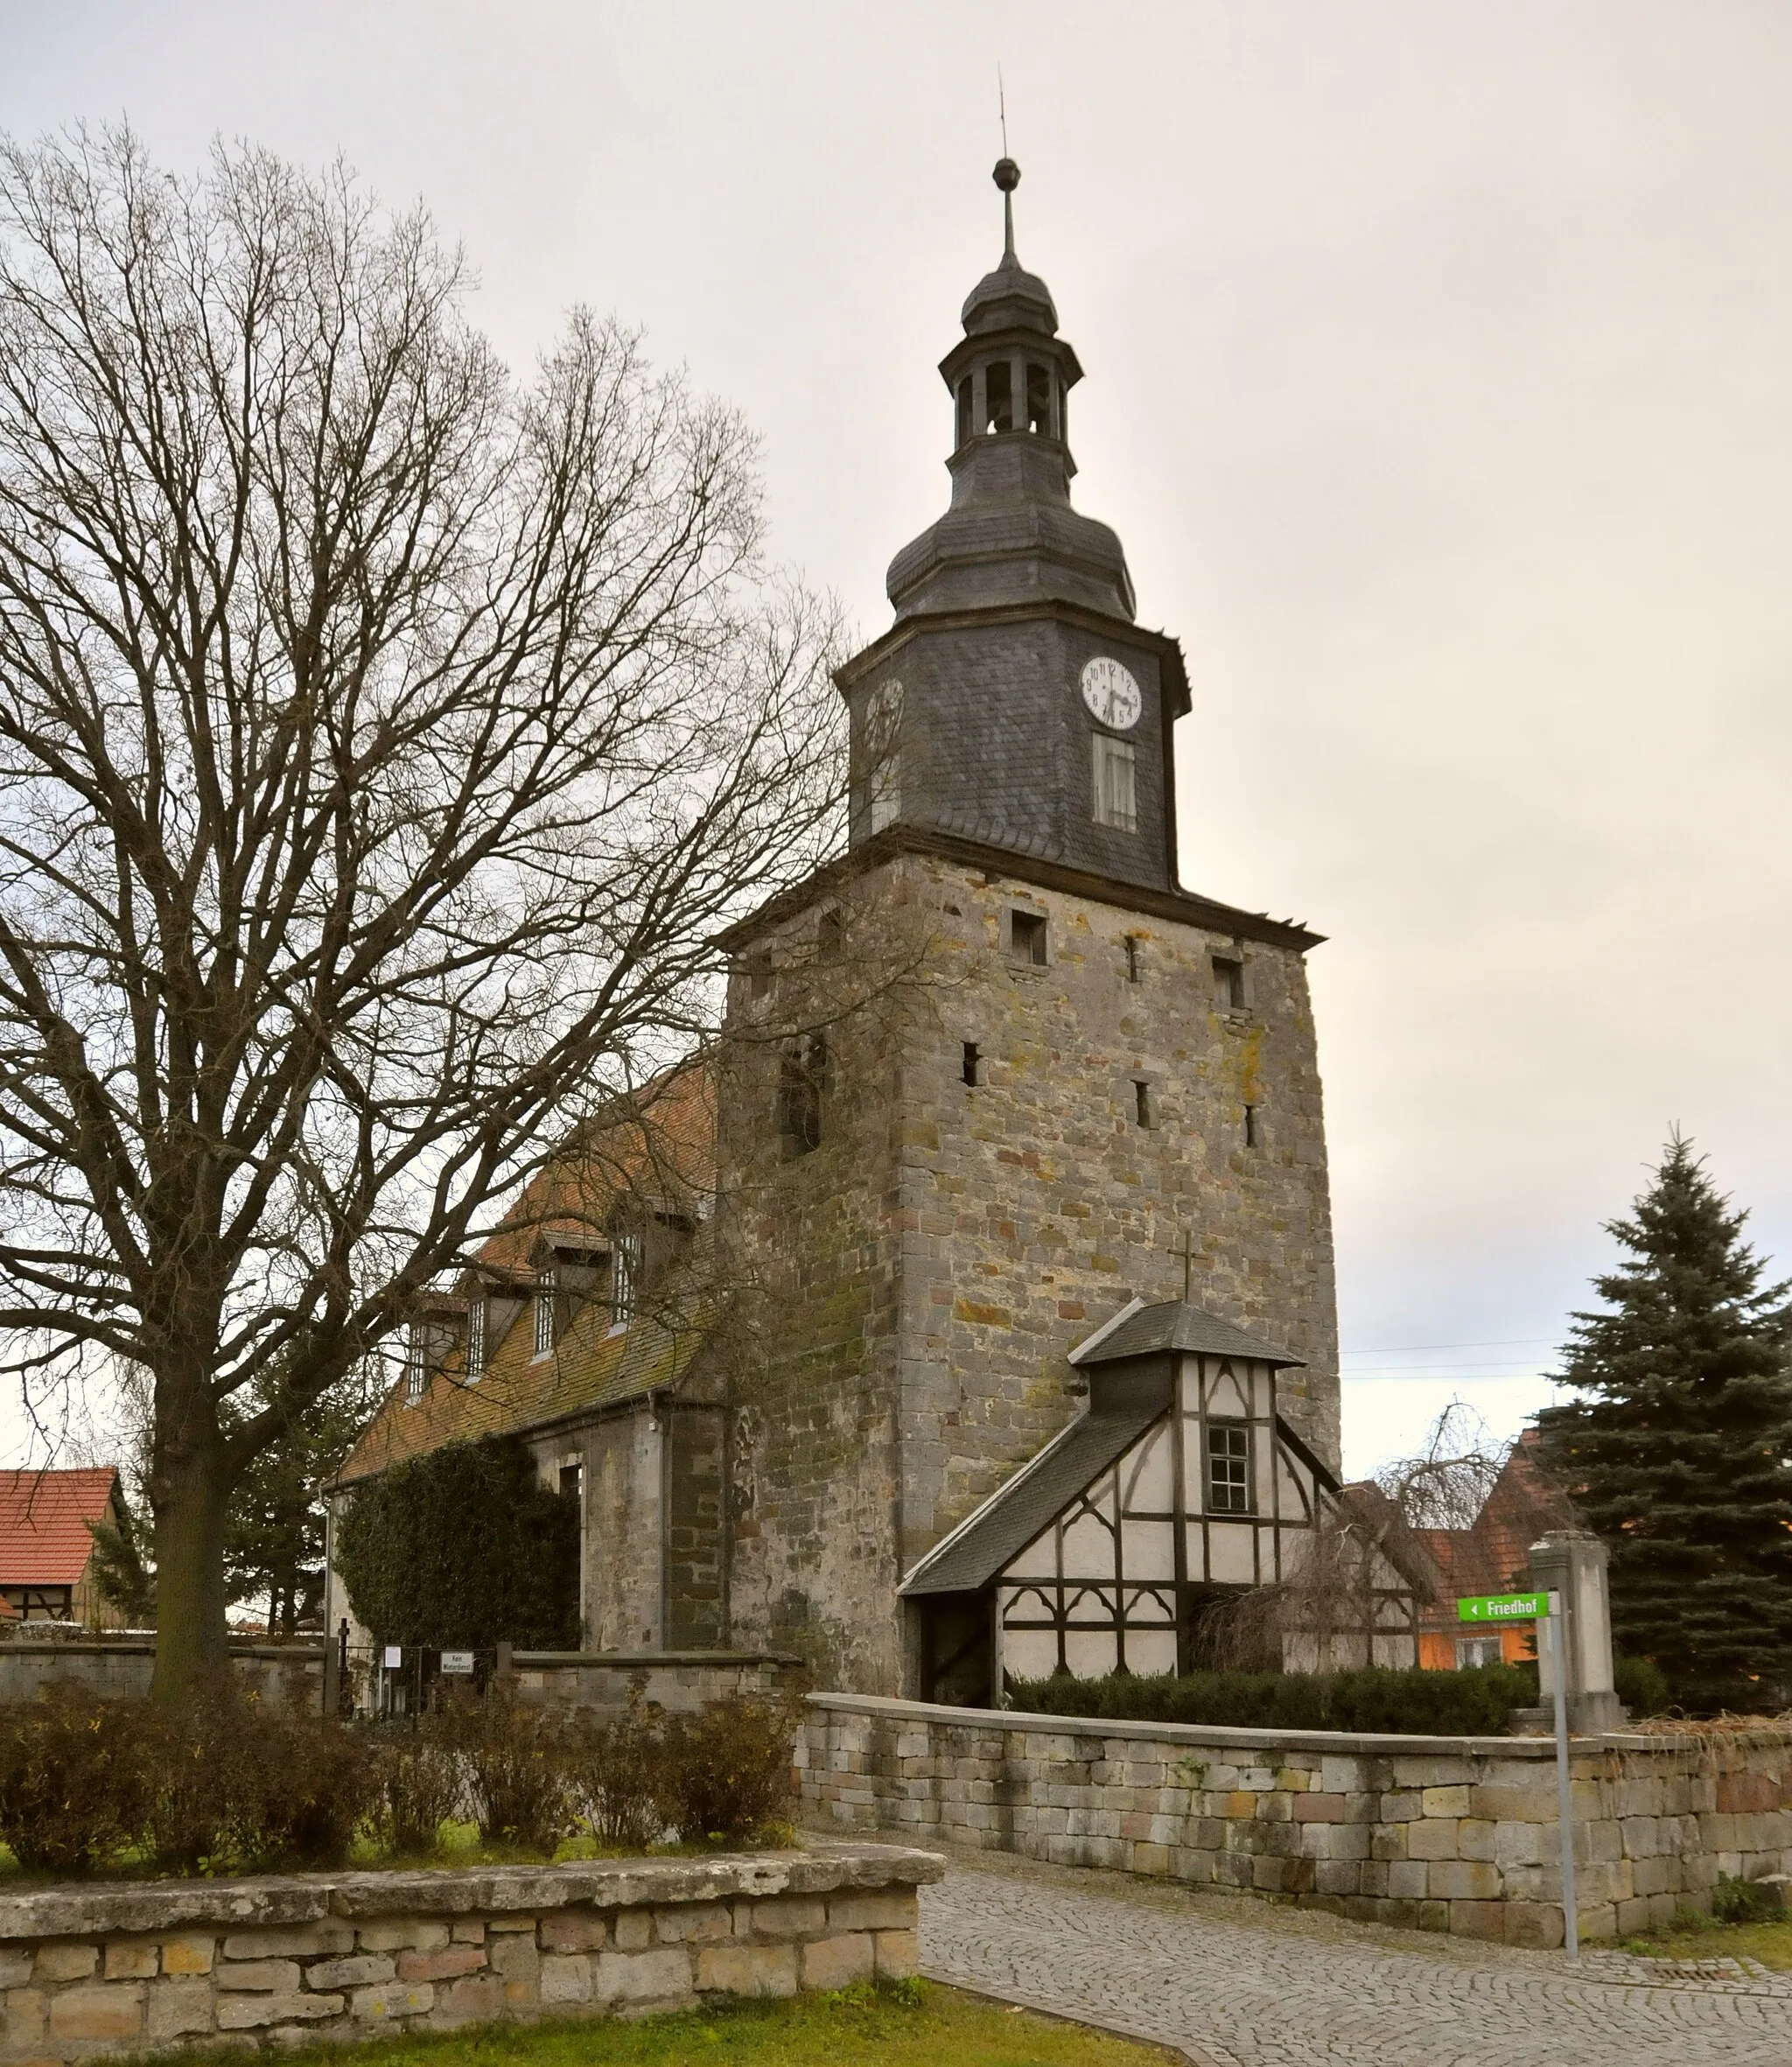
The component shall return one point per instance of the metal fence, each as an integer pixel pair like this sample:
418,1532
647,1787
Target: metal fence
397,1679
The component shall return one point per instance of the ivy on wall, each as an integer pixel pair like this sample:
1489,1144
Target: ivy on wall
463,1548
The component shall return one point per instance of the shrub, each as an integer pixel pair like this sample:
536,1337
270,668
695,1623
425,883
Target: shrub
514,1753
1642,1685
420,1787
1477,1701
618,1773
1745,1902
312,1783
727,1768
238,1783
72,1777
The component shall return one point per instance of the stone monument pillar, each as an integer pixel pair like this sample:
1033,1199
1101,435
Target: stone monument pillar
1572,1563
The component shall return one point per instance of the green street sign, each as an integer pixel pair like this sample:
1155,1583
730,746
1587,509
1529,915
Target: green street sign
1503,1607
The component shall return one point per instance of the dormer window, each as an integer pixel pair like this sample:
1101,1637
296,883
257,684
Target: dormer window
625,1279
546,1286
475,1362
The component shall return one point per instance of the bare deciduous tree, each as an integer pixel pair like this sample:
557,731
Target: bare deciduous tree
382,743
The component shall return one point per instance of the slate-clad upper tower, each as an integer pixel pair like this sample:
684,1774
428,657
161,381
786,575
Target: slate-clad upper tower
1014,702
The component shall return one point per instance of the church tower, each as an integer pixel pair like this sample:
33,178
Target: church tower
993,1076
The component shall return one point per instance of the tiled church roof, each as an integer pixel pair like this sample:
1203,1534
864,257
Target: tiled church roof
663,1157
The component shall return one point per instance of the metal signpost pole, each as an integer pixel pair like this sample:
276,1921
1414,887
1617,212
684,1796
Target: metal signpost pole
1564,1788
1484,1608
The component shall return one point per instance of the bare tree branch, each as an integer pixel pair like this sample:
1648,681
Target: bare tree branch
382,743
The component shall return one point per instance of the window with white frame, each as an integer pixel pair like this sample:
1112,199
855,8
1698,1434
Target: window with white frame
1229,1467
544,1312
1115,783
416,1372
1477,1650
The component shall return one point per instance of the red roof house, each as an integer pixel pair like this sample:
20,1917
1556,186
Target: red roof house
1489,1556
46,1544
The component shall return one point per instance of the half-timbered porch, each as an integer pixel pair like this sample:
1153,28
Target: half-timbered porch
1180,1485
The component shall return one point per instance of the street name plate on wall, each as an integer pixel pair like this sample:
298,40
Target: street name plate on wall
456,1661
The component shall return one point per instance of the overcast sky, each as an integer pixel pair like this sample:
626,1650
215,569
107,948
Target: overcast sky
1439,384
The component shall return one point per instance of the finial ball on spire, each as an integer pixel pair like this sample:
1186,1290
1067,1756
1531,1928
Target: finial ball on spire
1006,174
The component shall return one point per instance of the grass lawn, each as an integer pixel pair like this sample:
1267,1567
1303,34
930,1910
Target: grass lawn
916,2024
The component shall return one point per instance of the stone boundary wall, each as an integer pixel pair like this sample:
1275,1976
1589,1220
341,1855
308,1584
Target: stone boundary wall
1442,1833
681,1680
154,1965
119,1667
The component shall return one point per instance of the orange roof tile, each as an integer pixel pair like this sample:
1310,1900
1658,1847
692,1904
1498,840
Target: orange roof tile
44,1540
1491,1555
660,1143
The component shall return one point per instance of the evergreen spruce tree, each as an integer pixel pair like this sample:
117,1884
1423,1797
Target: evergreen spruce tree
1678,1452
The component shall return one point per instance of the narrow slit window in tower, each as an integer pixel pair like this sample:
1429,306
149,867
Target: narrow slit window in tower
1250,1126
1142,1101
973,1061
1228,983
1038,400
1027,937
998,390
802,1078
1115,783
1132,962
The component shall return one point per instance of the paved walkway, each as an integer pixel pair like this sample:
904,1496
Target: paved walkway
1244,1985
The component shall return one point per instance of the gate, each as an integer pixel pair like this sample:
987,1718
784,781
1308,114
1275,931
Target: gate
387,1681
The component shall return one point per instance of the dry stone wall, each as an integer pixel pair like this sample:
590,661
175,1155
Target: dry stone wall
121,1667
1441,1834
155,1966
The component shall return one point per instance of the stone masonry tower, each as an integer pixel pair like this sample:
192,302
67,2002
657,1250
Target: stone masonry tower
993,1072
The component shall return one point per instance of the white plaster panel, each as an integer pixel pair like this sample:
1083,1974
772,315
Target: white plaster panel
1146,1471
1232,1553
1091,1653
1226,1401
1151,1650
1088,1549
1030,1654
1148,1550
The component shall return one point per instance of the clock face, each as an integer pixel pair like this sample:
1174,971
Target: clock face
1111,694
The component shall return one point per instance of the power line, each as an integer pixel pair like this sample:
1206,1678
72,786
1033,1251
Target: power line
1520,1341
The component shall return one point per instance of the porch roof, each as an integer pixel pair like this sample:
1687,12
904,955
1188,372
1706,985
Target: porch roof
998,1531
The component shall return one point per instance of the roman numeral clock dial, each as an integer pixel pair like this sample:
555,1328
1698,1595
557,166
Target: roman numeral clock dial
1111,695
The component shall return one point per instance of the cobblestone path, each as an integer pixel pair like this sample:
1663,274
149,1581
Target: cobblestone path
1261,1990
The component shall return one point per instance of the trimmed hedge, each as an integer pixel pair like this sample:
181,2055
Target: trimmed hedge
1476,1702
